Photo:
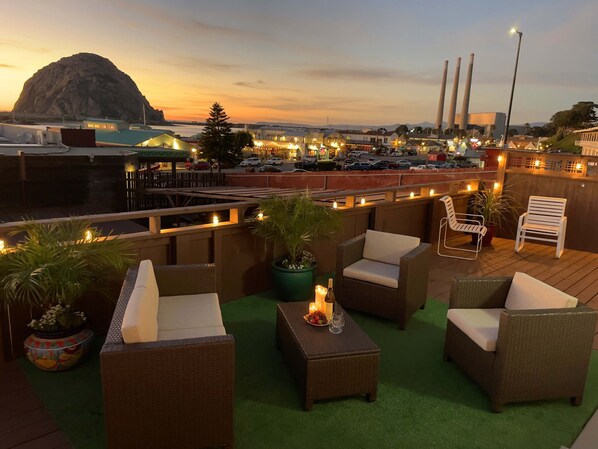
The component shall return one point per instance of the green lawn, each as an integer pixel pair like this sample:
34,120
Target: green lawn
423,402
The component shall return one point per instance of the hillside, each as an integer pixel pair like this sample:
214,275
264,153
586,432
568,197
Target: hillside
85,85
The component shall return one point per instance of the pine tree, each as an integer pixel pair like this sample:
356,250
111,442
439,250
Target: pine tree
217,138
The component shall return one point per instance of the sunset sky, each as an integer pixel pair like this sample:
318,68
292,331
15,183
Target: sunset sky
316,61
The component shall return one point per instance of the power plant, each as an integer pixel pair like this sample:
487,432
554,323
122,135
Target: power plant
493,122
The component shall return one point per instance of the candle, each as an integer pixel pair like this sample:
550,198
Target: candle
320,295
312,307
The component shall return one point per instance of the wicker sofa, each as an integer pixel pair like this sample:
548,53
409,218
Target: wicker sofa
520,353
383,274
175,391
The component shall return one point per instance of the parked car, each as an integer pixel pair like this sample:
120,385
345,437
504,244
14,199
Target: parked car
307,163
274,161
269,169
381,165
424,167
223,165
399,165
251,162
200,165
297,170
359,166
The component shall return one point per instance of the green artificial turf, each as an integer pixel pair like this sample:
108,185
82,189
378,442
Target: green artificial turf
423,402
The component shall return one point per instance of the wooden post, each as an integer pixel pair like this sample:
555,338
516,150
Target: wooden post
155,224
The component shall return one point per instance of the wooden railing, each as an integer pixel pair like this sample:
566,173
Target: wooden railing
552,164
137,182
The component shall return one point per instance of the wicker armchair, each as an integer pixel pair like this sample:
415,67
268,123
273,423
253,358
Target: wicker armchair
539,354
168,393
393,303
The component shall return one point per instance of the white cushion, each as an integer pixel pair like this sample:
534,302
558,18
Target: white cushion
197,332
147,278
386,247
189,312
527,292
481,325
374,272
140,322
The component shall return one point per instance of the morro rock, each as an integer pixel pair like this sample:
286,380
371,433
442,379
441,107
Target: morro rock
85,85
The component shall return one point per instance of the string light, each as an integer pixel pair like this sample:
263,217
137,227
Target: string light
499,158
335,205
215,220
363,200
412,195
88,236
431,192
2,246
469,187
496,185
260,216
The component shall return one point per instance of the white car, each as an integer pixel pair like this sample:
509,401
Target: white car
424,167
251,162
274,161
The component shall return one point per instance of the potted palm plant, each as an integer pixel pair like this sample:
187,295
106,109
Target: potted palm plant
496,207
294,221
51,267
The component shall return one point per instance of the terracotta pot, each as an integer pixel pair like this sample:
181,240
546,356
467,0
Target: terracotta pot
487,239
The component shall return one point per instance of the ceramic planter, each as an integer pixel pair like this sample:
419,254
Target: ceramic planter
293,285
58,351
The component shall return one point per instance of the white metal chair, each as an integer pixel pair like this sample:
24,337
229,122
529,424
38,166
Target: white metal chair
469,223
545,221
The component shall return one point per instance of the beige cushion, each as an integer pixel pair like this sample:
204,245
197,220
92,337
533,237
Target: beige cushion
146,276
140,322
386,247
527,292
179,334
481,325
189,312
374,272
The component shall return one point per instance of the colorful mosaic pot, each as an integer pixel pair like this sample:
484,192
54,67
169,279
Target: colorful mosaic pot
58,354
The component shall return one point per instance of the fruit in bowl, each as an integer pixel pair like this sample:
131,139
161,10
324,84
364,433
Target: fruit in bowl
316,318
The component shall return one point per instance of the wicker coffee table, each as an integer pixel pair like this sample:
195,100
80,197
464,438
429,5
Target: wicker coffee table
327,365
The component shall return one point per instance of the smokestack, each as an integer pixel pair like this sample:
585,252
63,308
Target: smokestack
438,124
465,108
451,117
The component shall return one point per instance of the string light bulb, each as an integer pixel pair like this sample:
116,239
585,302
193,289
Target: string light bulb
260,216
215,219
363,200
88,236
432,192
335,205
412,195
469,187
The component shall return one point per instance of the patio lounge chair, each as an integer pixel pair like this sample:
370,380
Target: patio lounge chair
383,274
469,223
519,338
545,221
168,381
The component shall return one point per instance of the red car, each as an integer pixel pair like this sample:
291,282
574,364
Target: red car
200,165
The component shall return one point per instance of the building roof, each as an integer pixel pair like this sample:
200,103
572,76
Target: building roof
128,137
54,150
595,128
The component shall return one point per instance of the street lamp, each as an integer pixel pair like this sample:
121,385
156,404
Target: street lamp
506,142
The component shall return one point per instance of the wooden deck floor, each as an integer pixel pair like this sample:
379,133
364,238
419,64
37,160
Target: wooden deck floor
575,273
25,423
